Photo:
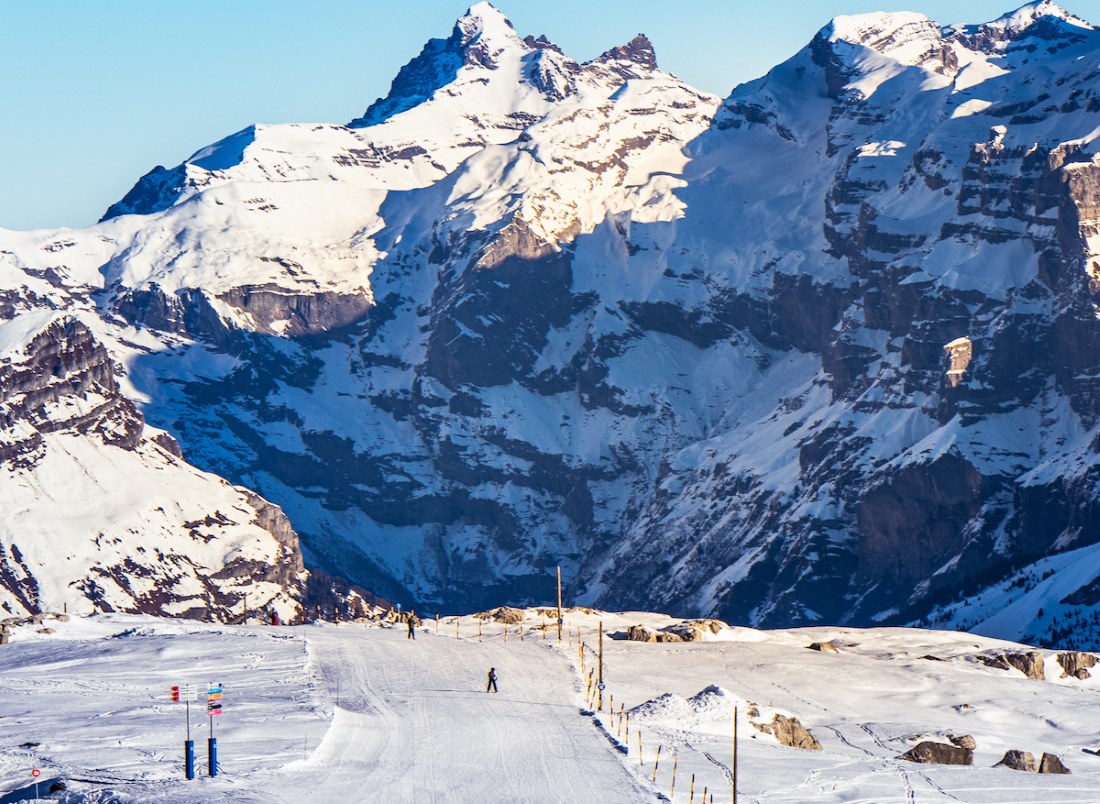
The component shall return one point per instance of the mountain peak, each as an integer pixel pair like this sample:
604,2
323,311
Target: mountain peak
638,50
1027,15
882,31
484,21
485,11
477,40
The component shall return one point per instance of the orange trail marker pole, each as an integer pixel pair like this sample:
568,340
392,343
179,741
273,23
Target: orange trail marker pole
691,795
656,762
437,623
506,632
627,731
456,627
479,630
675,762
622,706
641,756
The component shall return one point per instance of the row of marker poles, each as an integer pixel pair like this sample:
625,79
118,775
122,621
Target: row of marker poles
707,795
593,695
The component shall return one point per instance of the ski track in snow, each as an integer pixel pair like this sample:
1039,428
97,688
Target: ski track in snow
414,723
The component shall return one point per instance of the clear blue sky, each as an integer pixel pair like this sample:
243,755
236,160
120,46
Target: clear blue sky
97,93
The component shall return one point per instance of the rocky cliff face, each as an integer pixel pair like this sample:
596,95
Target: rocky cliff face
101,513
822,351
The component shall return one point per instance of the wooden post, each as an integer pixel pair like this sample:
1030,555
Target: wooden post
656,762
599,686
675,762
733,776
559,604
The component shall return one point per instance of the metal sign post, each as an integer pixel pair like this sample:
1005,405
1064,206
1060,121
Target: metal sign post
213,708
186,693
35,772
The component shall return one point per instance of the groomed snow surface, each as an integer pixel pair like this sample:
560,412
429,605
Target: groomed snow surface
358,712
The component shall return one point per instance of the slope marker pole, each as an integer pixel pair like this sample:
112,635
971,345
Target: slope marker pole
599,686
559,606
733,776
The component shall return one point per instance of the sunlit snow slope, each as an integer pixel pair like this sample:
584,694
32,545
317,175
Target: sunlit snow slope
358,712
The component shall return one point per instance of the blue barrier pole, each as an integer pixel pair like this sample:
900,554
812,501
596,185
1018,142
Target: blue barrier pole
189,758
212,747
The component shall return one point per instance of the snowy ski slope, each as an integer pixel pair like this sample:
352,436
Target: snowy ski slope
357,712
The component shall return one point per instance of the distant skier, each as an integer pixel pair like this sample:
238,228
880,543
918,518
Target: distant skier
412,626
274,617
492,685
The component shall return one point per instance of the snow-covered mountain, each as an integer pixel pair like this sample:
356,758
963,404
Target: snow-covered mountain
823,351
100,511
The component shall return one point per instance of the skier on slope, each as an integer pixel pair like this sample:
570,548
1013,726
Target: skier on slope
412,626
492,680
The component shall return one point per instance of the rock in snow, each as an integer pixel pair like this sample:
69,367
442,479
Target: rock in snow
1019,760
929,752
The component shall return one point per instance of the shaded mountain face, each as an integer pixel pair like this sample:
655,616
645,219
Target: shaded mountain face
822,351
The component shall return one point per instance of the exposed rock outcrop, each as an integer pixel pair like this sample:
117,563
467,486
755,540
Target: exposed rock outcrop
789,731
641,633
503,614
963,741
1019,760
929,752
1030,663
1052,764
1076,664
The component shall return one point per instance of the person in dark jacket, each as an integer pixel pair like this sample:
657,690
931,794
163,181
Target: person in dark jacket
492,685
412,626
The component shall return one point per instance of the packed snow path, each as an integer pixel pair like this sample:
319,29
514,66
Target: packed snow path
413,723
